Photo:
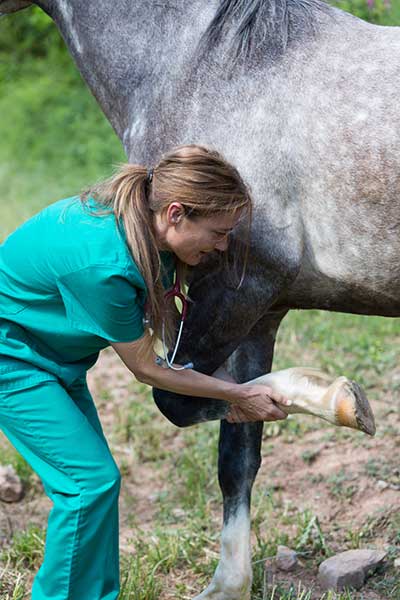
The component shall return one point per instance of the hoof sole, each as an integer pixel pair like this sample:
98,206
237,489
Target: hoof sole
363,412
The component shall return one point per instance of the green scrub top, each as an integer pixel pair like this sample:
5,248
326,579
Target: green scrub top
68,287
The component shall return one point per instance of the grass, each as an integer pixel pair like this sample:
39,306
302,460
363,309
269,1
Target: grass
12,585
26,549
341,484
24,193
360,347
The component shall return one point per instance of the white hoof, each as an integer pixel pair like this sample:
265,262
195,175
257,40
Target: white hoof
217,591
208,594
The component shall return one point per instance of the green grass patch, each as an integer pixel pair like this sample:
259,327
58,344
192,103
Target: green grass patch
361,348
342,484
12,584
26,549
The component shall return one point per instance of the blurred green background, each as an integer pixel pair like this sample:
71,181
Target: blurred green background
53,137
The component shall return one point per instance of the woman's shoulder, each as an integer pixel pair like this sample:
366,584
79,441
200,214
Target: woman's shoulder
84,235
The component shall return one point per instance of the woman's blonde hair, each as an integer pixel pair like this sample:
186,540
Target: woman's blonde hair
197,177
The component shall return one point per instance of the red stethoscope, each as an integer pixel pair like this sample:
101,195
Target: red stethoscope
175,293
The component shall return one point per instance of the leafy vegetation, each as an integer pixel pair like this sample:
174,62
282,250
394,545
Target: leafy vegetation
54,140
382,12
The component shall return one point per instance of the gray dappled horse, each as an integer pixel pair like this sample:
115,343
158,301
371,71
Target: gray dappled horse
304,100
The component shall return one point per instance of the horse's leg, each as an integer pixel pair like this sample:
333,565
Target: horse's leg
189,410
239,461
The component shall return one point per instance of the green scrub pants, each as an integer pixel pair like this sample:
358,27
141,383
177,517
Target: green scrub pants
58,432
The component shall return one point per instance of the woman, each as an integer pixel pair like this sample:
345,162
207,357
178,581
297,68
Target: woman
74,279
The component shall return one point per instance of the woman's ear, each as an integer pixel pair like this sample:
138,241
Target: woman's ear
175,213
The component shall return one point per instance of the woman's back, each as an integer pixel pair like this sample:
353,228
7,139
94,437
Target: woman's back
68,286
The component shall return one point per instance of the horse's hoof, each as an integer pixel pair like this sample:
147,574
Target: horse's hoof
220,592
353,409
208,595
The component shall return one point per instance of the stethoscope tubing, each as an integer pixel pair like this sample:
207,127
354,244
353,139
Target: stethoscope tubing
176,292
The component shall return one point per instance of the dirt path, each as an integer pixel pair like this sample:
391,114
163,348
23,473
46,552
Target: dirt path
350,482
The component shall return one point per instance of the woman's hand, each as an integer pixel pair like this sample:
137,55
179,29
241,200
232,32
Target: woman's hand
259,403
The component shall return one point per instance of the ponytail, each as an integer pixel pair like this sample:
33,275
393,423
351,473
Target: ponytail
197,177
126,195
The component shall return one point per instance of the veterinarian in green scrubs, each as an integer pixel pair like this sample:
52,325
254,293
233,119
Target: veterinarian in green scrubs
74,279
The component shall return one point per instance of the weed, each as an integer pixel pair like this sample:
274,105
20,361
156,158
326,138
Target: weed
309,456
309,536
338,485
26,548
138,580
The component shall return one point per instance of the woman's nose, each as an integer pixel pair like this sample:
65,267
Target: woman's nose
222,245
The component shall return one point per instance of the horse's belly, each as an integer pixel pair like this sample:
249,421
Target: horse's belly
351,256
368,288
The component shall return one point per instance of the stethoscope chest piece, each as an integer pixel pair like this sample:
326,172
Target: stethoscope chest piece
172,294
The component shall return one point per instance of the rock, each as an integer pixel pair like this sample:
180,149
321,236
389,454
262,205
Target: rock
397,563
179,513
11,489
286,559
349,569
382,485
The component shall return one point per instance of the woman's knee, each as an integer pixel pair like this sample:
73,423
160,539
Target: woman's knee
106,482
92,491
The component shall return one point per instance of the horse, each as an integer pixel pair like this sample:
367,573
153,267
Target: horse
303,99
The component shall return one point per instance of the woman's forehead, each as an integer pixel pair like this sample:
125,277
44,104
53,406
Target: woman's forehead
225,220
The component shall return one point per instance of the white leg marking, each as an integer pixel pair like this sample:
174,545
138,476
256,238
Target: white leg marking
233,576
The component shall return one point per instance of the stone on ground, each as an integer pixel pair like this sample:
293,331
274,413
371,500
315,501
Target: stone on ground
286,559
349,569
11,489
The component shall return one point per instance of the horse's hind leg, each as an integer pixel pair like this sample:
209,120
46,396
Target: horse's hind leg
239,461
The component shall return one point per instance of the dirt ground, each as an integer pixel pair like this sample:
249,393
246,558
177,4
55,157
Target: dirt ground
350,481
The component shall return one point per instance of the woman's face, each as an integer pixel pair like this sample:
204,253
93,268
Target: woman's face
191,238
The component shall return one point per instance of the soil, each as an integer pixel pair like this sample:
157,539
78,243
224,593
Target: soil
350,481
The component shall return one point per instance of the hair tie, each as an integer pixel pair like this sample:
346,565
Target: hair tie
149,176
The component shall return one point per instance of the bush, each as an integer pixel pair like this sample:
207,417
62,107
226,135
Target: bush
51,117
375,11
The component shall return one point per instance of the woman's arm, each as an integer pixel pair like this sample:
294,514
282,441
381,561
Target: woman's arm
256,401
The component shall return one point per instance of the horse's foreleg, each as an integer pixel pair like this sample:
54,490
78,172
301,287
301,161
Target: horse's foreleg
239,461
183,411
